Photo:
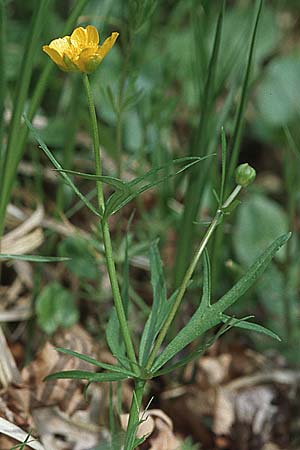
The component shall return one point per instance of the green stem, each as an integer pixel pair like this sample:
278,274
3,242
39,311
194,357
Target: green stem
188,275
134,414
106,234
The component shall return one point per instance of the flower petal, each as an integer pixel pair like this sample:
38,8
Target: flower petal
92,36
79,38
60,44
107,45
55,56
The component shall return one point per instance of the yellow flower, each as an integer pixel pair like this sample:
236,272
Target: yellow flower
81,51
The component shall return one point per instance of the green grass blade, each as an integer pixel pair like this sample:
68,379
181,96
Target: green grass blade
125,277
96,363
34,258
2,77
85,375
224,159
208,93
57,165
291,141
11,156
236,139
16,148
197,179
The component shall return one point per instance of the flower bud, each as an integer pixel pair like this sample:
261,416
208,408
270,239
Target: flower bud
244,175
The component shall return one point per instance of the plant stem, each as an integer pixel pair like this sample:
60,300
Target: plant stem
134,414
106,234
188,275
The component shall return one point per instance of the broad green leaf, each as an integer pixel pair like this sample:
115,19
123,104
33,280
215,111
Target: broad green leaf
119,199
200,323
277,96
251,326
159,299
83,262
112,181
35,258
259,221
57,165
93,361
85,375
55,307
255,271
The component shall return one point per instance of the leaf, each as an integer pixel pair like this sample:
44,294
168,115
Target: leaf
259,222
35,258
206,296
224,160
255,271
195,354
85,375
83,262
93,361
277,94
119,199
159,298
112,181
114,337
55,306
202,322
57,165
238,127
251,326
125,282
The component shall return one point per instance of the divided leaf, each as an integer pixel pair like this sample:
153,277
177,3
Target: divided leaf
85,375
250,326
57,165
159,299
93,361
119,199
114,337
213,315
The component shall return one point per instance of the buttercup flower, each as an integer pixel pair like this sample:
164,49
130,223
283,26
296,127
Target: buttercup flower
81,51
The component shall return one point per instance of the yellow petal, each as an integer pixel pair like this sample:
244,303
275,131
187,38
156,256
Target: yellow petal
60,44
79,38
107,45
92,36
55,56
